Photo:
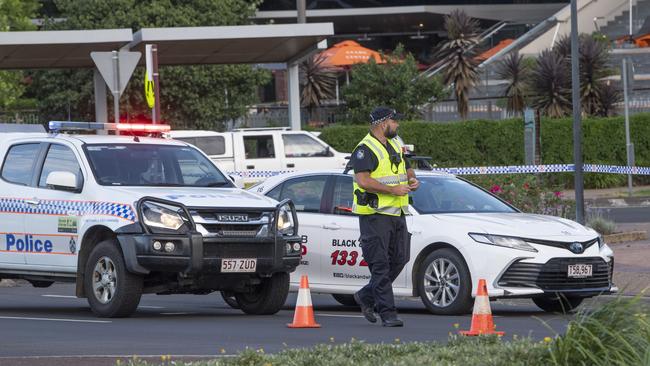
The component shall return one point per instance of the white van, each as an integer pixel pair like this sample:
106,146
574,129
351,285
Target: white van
259,153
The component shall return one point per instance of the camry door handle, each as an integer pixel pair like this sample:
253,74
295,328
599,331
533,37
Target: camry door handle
33,202
250,166
331,226
291,165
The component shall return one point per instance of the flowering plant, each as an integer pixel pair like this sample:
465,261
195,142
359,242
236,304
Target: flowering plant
527,194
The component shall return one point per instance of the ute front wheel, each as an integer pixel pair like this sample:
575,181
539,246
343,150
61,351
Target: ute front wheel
267,297
112,291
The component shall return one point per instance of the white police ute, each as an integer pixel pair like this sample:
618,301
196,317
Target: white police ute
460,234
122,215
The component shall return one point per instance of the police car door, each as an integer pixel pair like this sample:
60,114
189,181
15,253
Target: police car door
56,220
307,194
17,174
344,265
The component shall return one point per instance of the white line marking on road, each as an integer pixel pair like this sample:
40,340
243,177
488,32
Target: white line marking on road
340,315
61,296
150,307
112,356
55,319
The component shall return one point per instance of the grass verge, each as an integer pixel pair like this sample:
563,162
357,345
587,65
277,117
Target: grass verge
617,333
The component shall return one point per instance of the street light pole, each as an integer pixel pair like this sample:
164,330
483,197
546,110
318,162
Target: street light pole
577,123
631,33
629,148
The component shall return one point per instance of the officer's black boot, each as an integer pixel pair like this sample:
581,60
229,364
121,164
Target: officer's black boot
367,311
391,320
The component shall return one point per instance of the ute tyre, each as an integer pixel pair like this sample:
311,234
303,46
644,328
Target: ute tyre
119,291
347,300
558,303
230,299
457,283
267,298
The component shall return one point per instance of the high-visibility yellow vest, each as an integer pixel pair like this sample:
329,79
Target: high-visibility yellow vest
387,174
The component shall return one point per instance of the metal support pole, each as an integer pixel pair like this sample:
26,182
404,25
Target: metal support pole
116,88
101,112
577,123
294,96
302,11
156,85
631,32
628,145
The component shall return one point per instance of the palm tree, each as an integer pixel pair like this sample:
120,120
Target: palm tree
317,82
610,95
563,48
593,67
513,69
593,59
458,53
550,85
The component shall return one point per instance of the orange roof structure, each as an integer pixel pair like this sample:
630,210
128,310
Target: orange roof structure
347,53
492,51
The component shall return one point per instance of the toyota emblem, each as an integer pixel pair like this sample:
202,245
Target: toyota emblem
576,247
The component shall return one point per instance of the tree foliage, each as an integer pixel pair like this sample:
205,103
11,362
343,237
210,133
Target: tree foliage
391,84
458,54
550,85
191,96
318,83
15,15
516,72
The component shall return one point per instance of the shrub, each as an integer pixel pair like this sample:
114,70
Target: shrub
527,194
488,143
603,226
617,333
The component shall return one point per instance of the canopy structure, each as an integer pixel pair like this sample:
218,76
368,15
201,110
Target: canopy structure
58,49
348,53
247,44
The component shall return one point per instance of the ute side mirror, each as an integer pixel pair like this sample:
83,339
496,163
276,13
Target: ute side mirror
63,181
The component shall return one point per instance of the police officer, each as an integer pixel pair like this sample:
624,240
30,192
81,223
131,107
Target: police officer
383,179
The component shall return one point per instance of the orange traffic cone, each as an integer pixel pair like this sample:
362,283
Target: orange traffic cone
482,322
304,315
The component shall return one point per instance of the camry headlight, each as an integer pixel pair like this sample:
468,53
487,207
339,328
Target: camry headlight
161,216
503,241
601,242
285,224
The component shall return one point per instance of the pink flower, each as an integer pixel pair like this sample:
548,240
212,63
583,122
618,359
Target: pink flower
526,185
495,188
558,194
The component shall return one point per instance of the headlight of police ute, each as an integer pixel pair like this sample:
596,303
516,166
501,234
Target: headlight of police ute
159,216
502,241
285,224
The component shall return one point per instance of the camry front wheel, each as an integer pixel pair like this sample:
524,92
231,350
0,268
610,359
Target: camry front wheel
444,283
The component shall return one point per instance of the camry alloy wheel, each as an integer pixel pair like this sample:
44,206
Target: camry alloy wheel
441,282
104,280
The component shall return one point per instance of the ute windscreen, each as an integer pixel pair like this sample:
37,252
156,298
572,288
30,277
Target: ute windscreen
153,165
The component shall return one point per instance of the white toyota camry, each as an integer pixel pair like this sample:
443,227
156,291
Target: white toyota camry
460,234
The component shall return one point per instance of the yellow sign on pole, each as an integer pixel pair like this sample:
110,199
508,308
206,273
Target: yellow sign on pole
148,79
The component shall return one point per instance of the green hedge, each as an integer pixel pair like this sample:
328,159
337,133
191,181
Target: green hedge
482,143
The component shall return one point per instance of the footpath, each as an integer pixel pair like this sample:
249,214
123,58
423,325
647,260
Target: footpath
631,259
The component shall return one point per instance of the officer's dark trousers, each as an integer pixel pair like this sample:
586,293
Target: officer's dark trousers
385,243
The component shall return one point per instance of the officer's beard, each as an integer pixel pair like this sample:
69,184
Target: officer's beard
390,133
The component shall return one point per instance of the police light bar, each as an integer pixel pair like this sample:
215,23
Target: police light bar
95,126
